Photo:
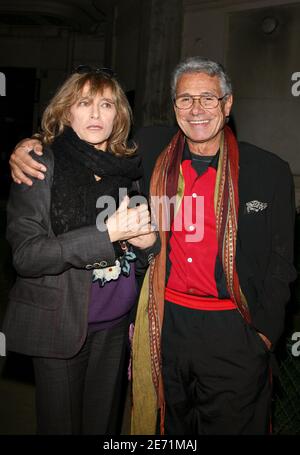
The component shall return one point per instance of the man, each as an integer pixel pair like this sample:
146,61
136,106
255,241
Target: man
214,307
211,308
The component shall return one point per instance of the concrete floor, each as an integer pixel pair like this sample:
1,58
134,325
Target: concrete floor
17,415
17,398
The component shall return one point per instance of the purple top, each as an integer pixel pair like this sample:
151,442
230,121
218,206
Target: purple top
112,302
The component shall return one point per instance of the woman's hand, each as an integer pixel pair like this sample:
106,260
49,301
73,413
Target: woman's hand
127,223
21,162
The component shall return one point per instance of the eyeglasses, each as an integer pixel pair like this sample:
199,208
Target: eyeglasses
85,69
206,101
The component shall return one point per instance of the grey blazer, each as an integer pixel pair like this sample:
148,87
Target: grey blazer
48,307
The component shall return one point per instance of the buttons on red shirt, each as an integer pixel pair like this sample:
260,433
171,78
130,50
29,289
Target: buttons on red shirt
193,261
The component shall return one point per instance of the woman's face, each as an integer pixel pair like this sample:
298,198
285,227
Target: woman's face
92,118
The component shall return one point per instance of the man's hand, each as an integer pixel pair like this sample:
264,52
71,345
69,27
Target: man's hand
21,162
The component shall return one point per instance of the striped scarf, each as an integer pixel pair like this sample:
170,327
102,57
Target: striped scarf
167,180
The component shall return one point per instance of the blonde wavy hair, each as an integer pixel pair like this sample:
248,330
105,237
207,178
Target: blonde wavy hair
56,114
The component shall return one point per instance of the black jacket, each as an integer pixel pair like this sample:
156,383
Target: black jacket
265,244
48,305
264,255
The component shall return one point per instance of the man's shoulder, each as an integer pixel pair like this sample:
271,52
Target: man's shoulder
154,138
251,154
151,141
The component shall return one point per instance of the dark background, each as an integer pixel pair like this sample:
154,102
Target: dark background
41,42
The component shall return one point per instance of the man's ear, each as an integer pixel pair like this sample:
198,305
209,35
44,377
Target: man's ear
228,105
174,107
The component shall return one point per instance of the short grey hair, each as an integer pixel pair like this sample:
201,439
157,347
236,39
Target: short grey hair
201,65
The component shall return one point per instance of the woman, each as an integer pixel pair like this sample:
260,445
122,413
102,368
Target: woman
76,282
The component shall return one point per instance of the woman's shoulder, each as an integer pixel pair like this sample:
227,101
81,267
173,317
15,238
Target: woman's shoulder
47,159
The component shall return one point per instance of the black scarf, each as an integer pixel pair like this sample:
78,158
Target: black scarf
75,190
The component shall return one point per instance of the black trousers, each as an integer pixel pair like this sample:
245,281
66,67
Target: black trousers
216,373
83,395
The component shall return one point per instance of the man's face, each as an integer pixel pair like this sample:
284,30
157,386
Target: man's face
202,127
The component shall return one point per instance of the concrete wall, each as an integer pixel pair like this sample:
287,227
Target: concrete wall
260,64
146,38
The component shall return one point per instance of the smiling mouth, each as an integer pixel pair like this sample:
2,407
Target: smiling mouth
199,122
